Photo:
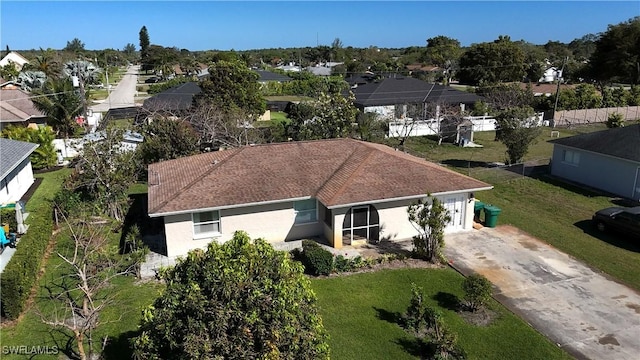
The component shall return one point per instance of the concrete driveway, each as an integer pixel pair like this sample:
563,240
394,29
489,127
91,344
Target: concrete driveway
582,311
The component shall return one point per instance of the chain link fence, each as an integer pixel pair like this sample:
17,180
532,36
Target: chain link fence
496,172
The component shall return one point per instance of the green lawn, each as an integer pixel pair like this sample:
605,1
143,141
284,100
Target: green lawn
360,314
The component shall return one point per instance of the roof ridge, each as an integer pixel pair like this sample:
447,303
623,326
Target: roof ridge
198,178
342,166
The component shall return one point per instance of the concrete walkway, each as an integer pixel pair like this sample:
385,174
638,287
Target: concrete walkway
584,312
123,94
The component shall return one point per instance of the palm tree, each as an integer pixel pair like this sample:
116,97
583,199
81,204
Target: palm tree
46,63
61,103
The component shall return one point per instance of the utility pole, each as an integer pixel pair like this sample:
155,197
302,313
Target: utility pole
560,77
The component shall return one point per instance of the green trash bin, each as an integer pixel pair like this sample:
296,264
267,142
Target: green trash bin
477,210
491,215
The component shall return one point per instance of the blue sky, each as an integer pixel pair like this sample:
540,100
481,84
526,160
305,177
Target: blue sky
203,25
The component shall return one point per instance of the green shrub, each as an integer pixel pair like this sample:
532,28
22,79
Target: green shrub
20,274
8,216
615,120
477,291
67,201
316,260
343,264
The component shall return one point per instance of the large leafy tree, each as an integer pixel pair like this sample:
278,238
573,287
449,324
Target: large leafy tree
617,54
498,61
144,42
331,116
518,130
232,86
444,52
238,300
61,103
104,173
75,45
167,139
45,155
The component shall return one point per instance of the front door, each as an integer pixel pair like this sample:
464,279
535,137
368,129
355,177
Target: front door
360,225
455,207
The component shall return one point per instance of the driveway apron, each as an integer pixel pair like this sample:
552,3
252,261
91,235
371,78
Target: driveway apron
581,310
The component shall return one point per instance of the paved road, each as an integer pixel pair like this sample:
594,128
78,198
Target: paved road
123,94
584,312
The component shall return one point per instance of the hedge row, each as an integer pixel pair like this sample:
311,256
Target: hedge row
21,272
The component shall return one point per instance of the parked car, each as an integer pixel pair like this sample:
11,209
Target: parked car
152,80
622,220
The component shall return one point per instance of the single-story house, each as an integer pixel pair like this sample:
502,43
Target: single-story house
16,174
344,191
550,75
389,96
608,160
268,76
176,99
16,107
14,58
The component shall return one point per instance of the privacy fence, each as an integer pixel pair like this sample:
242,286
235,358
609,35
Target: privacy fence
587,116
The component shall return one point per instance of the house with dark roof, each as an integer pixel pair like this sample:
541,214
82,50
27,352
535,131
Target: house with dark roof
16,174
16,107
344,191
268,76
608,160
176,99
391,98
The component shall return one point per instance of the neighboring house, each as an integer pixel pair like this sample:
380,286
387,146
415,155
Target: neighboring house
268,76
14,58
16,174
390,98
16,107
608,160
550,75
323,69
544,89
70,148
175,100
344,191
290,67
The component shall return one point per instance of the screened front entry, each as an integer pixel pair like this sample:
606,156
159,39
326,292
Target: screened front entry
361,224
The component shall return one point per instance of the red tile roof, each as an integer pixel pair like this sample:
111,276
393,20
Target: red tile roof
337,172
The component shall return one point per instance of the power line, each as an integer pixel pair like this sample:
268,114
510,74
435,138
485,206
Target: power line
39,96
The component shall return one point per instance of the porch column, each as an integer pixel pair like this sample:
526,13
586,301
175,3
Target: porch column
338,219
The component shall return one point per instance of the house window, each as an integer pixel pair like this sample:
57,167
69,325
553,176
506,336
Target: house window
206,223
306,211
571,157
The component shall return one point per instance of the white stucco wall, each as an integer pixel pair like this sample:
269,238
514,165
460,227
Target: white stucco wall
275,223
386,112
272,222
16,183
602,172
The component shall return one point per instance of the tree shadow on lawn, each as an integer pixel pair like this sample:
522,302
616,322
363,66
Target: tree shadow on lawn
447,300
390,316
120,347
412,345
623,241
459,163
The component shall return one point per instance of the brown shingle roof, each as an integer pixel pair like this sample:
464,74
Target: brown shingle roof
336,172
16,105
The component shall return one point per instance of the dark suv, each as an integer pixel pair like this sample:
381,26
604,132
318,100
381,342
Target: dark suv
623,220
